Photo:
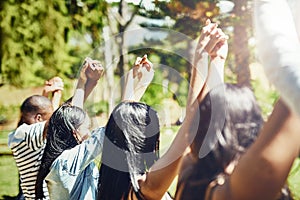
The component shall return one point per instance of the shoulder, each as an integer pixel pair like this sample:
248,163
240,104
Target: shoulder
24,131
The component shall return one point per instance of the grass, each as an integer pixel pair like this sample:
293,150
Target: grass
8,178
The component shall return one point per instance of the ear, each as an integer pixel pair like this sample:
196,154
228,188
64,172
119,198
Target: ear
38,118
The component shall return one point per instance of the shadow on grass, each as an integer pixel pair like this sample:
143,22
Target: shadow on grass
6,197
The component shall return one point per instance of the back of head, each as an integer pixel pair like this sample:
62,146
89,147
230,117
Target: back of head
227,131
33,105
62,123
130,147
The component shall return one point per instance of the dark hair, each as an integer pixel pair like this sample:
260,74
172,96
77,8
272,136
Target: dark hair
130,147
60,137
230,129
33,105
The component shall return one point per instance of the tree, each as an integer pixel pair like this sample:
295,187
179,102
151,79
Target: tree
177,49
242,30
33,47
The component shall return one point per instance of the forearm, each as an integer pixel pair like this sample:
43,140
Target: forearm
163,172
79,94
128,93
56,99
199,75
267,163
279,48
215,78
88,88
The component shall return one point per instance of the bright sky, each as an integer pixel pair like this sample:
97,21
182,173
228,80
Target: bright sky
147,3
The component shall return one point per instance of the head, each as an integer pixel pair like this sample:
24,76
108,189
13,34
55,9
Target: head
130,147
230,129
68,127
35,109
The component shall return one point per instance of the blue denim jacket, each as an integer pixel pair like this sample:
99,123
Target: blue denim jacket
74,174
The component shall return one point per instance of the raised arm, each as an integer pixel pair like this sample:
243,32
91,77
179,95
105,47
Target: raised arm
157,181
93,73
279,48
90,73
54,87
138,79
79,93
267,163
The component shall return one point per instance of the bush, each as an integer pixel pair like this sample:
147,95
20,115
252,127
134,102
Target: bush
8,113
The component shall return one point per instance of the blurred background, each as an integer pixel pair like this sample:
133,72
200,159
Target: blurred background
41,39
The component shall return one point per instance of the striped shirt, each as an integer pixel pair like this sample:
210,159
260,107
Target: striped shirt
27,146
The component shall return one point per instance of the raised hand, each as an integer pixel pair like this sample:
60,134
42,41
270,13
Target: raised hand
143,72
94,70
138,79
52,85
221,48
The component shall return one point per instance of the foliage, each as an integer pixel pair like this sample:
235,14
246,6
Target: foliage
96,108
8,113
37,38
32,41
265,97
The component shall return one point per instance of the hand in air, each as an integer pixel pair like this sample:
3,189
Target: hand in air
212,41
143,72
94,70
53,85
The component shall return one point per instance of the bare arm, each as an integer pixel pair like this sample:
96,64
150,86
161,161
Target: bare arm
267,163
79,93
278,48
161,174
54,87
93,73
90,73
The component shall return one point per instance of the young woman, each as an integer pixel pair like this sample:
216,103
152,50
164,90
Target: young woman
131,146
66,164
222,166
130,166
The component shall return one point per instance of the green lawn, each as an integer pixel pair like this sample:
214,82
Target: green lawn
8,169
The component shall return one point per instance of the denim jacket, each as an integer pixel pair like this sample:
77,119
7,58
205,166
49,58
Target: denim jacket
74,174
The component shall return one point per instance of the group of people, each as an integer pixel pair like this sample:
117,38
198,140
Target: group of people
223,149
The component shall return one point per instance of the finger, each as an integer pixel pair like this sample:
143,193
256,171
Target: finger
137,61
144,58
207,22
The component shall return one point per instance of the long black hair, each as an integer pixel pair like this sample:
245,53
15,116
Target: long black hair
234,125
60,137
130,147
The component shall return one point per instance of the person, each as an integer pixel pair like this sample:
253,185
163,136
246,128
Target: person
231,135
278,46
68,165
37,108
130,166
235,154
27,142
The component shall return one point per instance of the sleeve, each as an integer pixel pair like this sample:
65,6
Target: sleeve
279,48
32,135
82,155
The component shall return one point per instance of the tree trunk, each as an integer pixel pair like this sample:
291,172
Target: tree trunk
240,43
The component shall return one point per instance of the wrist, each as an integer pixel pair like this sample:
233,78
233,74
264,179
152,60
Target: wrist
92,81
